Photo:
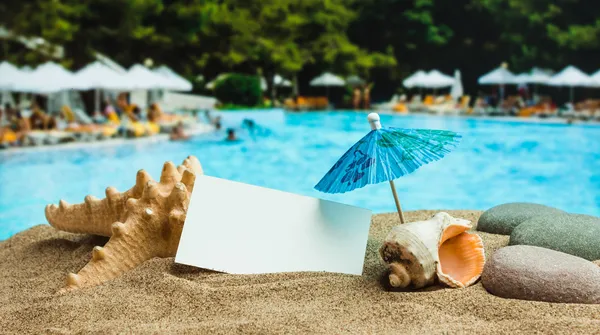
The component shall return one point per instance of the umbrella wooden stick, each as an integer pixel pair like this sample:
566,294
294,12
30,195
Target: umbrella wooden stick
397,201
375,123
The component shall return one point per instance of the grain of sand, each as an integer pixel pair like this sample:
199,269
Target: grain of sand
161,297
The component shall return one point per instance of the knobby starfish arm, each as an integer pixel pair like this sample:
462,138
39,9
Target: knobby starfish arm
96,216
152,229
144,222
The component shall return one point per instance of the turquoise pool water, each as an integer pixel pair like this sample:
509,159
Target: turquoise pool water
497,162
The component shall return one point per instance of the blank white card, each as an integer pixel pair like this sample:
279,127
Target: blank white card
243,229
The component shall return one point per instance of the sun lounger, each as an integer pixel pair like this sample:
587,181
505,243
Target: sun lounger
415,103
35,138
307,103
389,105
56,136
82,117
463,106
92,132
50,137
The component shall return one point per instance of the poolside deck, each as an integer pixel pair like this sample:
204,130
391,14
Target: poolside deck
199,129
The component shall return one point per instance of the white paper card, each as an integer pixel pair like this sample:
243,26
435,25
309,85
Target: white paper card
243,229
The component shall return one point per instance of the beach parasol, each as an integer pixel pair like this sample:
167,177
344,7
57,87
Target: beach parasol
385,154
596,78
500,76
47,78
144,79
539,76
8,72
571,77
327,79
177,82
355,80
415,79
435,79
522,78
98,76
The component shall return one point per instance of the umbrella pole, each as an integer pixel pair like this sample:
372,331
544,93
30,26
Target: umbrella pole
397,201
571,94
96,101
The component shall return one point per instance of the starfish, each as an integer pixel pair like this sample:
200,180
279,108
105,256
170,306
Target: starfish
143,222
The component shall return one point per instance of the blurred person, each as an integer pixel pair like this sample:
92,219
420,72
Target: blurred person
122,105
248,123
20,126
217,122
154,112
356,95
110,113
178,134
367,97
231,135
38,119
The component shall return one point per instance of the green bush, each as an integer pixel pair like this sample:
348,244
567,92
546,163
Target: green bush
239,89
233,107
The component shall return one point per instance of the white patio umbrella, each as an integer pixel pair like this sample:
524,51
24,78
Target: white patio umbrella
327,79
571,77
435,79
499,76
47,78
146,84
98,76
596,78
8,73
522,78
457,88
539,76
415,79
355,80
176,82
144,79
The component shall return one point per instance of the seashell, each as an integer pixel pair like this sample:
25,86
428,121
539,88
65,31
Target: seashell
441,247
151,224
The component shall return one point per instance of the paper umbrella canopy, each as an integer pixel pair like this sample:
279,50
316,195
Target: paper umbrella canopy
385,154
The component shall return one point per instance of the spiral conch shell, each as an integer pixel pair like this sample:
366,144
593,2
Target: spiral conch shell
418,251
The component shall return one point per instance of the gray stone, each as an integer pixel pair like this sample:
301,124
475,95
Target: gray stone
533,273
502,219
574,234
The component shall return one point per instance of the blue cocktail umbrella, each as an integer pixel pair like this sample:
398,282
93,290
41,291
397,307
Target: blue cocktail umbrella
385,154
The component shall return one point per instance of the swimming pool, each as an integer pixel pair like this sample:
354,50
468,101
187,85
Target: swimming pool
497,162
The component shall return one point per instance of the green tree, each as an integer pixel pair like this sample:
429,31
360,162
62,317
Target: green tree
282,36
545,32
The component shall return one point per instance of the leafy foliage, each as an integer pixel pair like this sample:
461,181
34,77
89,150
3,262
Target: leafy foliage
380,40
239,89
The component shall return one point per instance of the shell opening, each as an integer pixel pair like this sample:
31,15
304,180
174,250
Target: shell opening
461,260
